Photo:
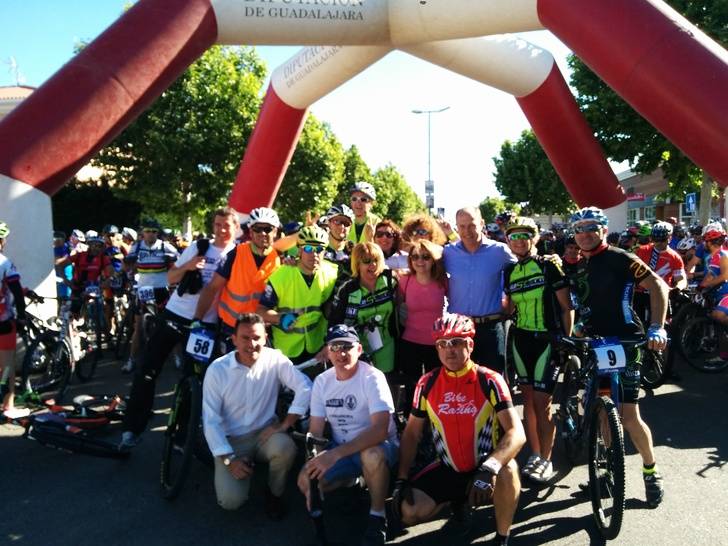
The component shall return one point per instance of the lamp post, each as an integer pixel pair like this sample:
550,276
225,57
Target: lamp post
429,183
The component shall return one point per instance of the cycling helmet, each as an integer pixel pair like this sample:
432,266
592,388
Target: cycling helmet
661,230
547,233
93,237
150,223
129,233
613,239
340,210
111,229
686,244
505,217
292,227
713,231
366,188
569,238
644,229
522,222
4,230
492,228
696,230
60,235
78,234
264,215
453,325
589,214
91,233
312,235
679,231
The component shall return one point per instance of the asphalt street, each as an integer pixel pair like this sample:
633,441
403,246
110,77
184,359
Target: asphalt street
53,497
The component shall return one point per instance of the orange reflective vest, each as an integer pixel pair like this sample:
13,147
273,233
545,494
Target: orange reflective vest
246,283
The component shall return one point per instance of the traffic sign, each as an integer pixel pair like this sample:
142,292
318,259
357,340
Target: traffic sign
690,202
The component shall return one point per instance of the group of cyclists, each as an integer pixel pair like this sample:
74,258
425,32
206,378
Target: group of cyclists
425,305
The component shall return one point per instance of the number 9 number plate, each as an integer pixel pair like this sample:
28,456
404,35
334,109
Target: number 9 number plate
610,356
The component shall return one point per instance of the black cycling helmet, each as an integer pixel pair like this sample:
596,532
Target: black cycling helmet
504,218
340,210
150,223
613,238
110,229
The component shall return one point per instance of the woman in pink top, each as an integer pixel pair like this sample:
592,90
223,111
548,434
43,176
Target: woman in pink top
422,292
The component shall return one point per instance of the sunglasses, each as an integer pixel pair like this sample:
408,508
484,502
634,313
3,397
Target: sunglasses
367,261
262,229
387,234
355,198
422,257
520,236
658,239
340,347
338,222
457,343
421,231
308,249
587,228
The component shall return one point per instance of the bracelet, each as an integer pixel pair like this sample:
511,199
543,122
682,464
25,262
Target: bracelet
491,465
452,236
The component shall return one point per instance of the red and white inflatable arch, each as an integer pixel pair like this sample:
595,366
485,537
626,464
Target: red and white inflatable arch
666,68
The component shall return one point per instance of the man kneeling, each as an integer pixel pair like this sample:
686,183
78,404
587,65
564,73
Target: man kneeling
239,399
356,401
476,432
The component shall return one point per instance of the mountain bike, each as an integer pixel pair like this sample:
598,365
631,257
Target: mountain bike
313,445
91,332
589,415
701,339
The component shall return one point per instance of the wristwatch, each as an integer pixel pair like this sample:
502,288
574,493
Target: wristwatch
229,459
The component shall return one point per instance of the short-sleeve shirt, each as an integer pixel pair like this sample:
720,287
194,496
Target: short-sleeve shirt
87,268
475,287
152,262
462,408
8,274
604,286
667,263
347,405
712,264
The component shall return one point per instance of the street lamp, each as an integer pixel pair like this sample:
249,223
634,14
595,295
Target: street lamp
429,183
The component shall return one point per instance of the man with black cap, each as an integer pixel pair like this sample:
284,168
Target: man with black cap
354,398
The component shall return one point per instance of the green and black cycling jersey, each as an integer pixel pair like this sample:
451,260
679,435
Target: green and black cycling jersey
604,286
532,285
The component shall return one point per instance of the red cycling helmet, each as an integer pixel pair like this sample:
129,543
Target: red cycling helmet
712,232
453,325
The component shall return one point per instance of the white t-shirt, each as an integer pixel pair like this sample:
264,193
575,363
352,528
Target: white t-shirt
398,260
347,405
185,305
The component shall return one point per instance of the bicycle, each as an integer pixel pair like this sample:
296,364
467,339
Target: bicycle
91,332
312,445
588,413
701,341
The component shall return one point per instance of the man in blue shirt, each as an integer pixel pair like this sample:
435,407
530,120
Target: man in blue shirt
475,265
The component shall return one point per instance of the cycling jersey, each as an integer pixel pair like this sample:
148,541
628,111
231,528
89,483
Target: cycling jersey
152,262
462,407
8,274
531,284
667,263
713,268
88,269
604,286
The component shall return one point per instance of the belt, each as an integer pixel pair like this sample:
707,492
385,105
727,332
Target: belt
487,318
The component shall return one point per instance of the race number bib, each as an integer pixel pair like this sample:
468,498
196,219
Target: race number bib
610,356
146,293
200,345
92,290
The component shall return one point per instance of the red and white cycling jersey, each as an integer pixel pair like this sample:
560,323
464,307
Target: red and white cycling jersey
667,264
462,408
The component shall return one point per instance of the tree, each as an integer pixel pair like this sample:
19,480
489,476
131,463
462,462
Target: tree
395,198
491,207
623,133
314,175
180,157
525,175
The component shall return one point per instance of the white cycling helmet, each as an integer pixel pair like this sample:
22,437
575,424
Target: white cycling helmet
687,243
366,188
129,233
263,215
78,234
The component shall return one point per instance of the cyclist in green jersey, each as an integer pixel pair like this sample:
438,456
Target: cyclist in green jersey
538,290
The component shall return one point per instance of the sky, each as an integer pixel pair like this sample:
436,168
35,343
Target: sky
372,111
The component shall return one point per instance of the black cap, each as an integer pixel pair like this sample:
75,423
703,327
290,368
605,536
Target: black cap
341,332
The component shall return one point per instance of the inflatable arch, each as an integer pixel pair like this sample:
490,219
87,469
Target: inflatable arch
666,68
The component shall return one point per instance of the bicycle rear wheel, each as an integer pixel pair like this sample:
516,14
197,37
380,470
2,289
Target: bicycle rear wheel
606,467
58,438
123,334
86,367
179,438
700,339
654,369
47,365
571,420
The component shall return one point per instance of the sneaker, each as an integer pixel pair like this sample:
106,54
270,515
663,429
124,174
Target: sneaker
532,462
653,489
128,366
275,508
16,413
129,440
542,472
376,533
460,522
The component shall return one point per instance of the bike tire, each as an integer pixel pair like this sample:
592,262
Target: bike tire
86,366
124,334
654,369
47,365
678,322
59,438
571,422
180,436
700,339
606,467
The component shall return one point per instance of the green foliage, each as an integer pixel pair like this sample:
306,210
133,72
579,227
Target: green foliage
313,177
395,198
491,207
525,175
623,133
180,157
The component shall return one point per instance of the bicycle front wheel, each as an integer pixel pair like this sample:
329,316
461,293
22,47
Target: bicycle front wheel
179,438
653,371
571,413
606,467
700,339
47,365
86,366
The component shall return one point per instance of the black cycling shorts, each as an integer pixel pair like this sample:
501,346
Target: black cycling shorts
443,484
536,362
